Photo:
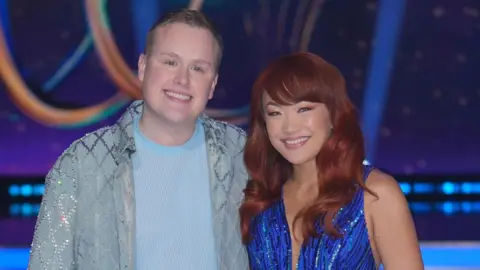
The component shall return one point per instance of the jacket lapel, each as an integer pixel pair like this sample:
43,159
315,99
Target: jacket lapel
124,200
123,187
218,162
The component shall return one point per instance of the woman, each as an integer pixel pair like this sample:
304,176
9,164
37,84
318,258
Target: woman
311,203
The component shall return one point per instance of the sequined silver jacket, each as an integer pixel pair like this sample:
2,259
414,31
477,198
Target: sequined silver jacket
87,215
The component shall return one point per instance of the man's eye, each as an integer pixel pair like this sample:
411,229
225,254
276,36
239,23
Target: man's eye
197,68
170,62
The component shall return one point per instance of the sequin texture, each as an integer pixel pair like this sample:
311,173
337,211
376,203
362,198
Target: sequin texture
87,218
270,247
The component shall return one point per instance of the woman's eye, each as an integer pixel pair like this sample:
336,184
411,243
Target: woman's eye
304,109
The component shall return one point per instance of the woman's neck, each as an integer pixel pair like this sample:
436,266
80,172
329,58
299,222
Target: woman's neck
305,178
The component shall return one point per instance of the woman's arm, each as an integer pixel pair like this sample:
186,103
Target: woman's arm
393,229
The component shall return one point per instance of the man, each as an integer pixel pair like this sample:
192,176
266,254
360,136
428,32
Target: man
160,189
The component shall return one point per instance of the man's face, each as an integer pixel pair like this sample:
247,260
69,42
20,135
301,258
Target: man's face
179,73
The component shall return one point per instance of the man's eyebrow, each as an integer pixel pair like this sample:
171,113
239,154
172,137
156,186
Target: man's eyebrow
203,62
171,54
199,61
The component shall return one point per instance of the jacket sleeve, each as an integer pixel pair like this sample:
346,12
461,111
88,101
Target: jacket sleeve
53,241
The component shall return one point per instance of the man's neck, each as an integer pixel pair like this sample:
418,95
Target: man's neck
166,134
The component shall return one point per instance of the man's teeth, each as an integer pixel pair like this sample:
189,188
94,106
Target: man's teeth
178,95
297,140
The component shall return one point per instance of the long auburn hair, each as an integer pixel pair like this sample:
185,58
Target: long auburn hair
289,80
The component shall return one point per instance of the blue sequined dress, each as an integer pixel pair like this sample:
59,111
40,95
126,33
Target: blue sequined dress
270,247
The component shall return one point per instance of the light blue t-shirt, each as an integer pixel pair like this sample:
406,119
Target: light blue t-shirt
173,208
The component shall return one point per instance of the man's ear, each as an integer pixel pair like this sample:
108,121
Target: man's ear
142,64
214,85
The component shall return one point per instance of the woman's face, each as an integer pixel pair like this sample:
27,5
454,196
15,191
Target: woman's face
297,131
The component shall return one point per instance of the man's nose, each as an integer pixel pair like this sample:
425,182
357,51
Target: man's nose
182,77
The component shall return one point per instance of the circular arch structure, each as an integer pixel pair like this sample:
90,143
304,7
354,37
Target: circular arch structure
116,68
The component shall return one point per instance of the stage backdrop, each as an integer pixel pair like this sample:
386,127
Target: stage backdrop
411,67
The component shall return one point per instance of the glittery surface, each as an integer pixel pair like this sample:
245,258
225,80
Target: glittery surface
52,248
271,244
87,217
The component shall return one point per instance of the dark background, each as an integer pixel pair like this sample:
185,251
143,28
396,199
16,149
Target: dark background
430,118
